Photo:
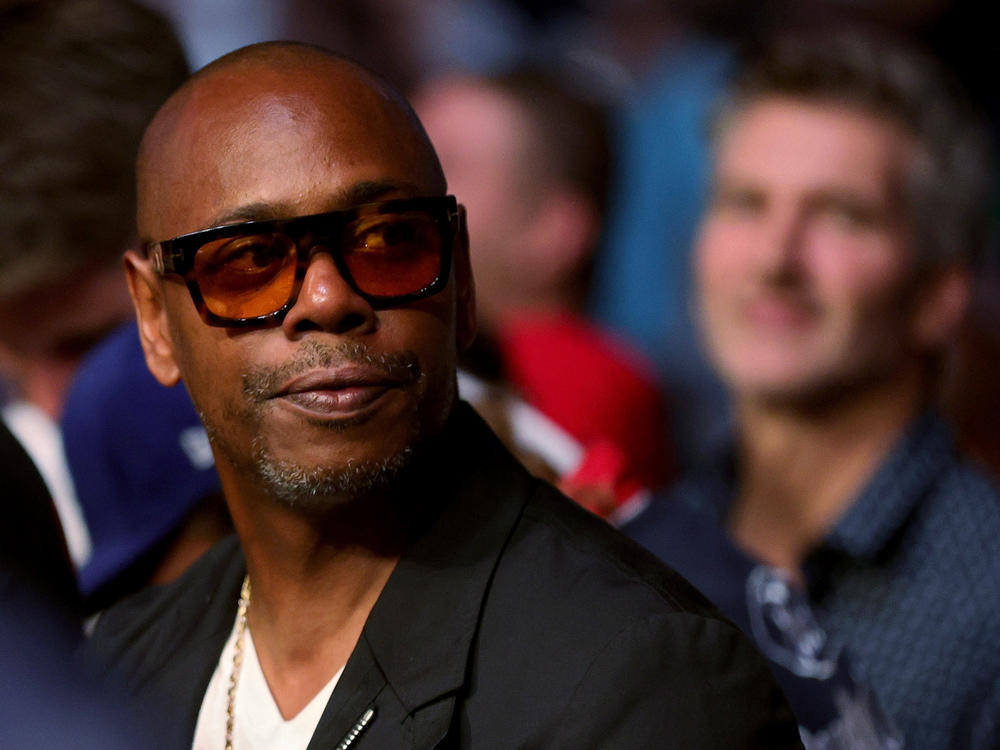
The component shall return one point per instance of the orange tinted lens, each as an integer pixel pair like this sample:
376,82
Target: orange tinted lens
248,276
391,255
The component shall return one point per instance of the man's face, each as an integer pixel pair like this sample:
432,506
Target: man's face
803,266
482,139
46,331
333,398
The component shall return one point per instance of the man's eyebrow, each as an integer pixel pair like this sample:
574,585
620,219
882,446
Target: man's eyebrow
372,190
253,212
355,195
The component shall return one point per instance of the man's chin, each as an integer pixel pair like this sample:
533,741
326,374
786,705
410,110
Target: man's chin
317,489
809,396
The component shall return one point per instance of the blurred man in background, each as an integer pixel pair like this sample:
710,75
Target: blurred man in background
79,80
833,268
530,159
143,472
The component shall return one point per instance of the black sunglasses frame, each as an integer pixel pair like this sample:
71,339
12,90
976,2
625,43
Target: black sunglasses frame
176,256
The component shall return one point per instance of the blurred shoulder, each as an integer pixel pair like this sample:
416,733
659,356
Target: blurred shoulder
156,615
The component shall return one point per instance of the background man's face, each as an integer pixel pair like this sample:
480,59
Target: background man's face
242,151
802,263
484,142
46,331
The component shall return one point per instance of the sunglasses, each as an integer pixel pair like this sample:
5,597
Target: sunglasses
390,252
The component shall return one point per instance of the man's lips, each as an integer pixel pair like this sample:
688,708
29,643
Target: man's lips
340,391
779,313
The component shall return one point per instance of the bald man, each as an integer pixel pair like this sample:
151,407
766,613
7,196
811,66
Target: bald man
398,580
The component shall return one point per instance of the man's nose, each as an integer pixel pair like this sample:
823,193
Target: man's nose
781,244
326,302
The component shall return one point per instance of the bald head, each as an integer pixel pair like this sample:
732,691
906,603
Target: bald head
305,103
279,131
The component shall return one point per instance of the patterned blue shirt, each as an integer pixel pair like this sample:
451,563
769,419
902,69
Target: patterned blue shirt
908,581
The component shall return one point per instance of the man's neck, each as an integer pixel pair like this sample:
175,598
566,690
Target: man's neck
800,469
314,582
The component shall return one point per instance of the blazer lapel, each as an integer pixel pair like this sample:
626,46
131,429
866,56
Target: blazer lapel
359,687
411,661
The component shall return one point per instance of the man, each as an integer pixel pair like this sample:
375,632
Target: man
79,81
833,266
529,157
399,581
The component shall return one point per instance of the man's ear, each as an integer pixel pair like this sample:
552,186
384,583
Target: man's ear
941,307
151,315
465,288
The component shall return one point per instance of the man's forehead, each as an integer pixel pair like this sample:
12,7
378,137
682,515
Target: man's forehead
254,133
786,136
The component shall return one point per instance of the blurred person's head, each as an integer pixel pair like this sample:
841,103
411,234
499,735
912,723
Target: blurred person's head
79,81
530,160
850,200
143,471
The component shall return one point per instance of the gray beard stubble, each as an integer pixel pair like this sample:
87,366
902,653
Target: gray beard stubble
318,488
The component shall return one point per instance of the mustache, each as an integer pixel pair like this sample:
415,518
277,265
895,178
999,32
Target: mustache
786,290
264,383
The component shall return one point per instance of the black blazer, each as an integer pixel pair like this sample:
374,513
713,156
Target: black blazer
513,620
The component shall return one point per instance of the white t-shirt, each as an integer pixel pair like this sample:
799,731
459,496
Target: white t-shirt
258,724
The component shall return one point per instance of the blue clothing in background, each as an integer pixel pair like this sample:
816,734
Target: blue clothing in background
47,698
642,283
835,707
139,457
907,582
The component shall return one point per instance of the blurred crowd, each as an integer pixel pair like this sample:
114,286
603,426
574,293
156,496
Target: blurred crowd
737,291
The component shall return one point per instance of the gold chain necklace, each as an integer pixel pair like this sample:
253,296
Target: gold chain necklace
234,676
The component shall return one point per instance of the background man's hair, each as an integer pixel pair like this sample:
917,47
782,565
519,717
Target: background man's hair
947,191
79,81
571,131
